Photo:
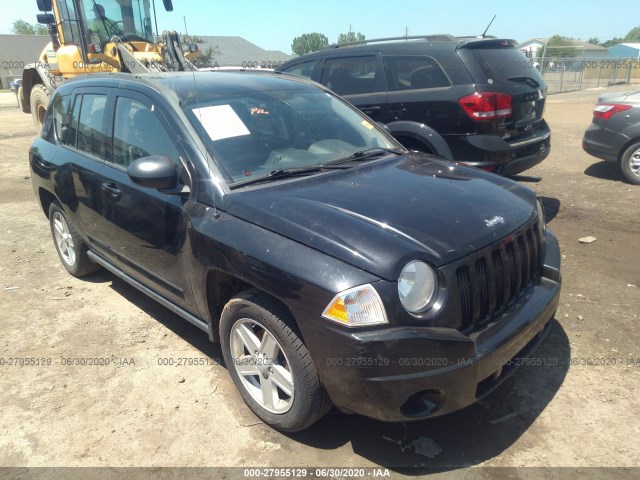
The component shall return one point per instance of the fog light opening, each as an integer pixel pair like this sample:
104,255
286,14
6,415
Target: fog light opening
422,404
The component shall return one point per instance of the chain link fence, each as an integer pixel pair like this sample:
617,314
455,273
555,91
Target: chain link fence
581,73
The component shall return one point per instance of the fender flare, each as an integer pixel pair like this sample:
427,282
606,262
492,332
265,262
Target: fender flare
33,74
422,133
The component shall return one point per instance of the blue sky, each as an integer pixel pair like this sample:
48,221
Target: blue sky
272,24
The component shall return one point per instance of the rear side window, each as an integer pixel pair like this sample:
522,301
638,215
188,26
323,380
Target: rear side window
414,72
353,75
92,131
87,128
304,69
501,65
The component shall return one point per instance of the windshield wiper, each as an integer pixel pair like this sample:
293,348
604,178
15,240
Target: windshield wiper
289,172
366,155
528,80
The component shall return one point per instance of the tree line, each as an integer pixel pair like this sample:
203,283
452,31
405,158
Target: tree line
312,42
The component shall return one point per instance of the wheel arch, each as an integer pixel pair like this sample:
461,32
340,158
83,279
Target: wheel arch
33,74
221,287
629,143
421,133
46,199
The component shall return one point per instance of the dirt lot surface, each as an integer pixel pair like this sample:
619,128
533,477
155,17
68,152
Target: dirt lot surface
575,406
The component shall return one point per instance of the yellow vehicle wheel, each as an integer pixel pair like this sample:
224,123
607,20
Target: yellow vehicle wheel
39,103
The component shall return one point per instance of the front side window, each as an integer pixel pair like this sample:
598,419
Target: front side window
353,75
414,73
69,22
251,135
138,132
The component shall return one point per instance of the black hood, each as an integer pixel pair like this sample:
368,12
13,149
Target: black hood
379,215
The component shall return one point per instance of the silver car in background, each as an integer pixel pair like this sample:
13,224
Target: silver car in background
614,134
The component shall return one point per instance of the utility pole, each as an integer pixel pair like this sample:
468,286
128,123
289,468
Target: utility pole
406,33
185,26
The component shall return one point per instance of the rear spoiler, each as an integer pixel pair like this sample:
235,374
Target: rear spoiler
487,43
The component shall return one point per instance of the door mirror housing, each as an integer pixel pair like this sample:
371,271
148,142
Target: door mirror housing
154,171
45,5
46,18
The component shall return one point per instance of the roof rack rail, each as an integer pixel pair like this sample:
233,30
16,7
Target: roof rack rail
428,38
474,37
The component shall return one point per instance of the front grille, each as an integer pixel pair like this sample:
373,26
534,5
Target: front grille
495,278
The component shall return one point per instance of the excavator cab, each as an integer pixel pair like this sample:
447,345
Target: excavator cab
93,36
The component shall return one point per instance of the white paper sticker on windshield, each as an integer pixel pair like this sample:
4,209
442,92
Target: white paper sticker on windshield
220,122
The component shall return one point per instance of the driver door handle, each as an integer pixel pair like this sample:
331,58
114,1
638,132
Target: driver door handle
112,189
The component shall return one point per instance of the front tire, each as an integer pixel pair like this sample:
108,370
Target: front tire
630,164
69,244
39,104
269,363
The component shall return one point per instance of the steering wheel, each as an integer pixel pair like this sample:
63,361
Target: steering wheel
113,28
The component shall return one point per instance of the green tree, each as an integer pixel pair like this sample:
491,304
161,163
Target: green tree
22,27
612,42
594,40
207,55
559,47
350,37
309,42
633,35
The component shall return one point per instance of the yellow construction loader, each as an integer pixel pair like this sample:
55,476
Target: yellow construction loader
91,36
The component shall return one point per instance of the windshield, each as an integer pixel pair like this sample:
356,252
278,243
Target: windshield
254,134
128,19
501,65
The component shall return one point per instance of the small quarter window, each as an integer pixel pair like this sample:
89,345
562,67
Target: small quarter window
55,118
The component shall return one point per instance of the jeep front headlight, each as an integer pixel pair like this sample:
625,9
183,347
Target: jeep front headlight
417,287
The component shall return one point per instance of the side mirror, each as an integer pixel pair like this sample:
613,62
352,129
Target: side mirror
44,5
46,18
154,172
193,48
168,5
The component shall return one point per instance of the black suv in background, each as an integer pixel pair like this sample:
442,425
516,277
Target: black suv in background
479,101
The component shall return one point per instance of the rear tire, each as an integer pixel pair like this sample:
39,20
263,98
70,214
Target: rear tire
39,104
69,244
269,363
630,164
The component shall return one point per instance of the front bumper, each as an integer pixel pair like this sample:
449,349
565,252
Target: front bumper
405,373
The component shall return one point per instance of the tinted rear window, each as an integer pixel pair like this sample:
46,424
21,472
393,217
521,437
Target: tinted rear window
501,64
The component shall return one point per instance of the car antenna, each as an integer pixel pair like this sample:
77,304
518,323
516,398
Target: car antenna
484,34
